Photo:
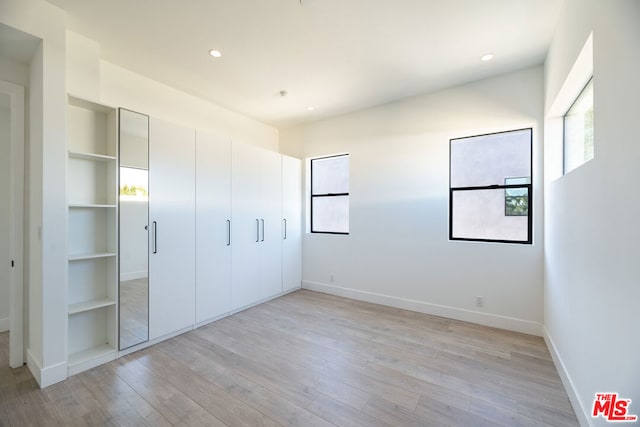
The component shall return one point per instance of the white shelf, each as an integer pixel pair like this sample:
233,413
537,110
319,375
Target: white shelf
90,305
90,205
90,156
92,194
89,358
80,257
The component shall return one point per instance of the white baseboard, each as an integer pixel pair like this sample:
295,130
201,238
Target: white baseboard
486,319
4,324
49,375
582,415
133,275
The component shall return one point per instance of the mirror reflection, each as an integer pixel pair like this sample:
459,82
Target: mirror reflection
134,217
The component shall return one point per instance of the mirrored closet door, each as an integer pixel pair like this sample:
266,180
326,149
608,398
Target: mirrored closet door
134,220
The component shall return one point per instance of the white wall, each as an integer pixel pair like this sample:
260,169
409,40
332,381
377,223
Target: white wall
592,268
398,250
5,142
47,264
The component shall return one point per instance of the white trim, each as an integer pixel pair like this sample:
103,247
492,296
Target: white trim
486,319
16,224
4,324
34,366
47,376
153,341
581,414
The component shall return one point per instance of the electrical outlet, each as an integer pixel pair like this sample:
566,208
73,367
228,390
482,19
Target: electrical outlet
331,279
479,301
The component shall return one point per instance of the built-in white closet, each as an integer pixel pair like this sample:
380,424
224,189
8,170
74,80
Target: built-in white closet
224,229
172,239
213,226
292,223
256,226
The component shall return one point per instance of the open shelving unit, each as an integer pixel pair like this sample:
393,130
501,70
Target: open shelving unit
92,186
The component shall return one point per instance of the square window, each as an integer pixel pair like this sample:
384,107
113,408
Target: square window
490,187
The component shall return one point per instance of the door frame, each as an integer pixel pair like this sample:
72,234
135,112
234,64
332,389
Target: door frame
16,223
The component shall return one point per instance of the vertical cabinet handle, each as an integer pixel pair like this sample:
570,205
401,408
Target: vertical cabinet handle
257,230
155,237
285,228
228,232
262,229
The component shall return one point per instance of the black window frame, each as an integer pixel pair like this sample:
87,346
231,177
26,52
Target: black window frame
313,196
528,186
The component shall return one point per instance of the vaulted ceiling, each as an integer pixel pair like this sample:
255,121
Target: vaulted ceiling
333,55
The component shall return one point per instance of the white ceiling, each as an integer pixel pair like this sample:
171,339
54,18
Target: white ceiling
335,55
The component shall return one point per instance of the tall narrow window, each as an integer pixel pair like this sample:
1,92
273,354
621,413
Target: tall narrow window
330,194
490,187
578,130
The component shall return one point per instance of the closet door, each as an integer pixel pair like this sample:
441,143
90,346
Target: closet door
292,223
246,227
213,226
270,246
172,228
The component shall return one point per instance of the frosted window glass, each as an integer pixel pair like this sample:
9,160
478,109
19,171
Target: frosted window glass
330,214
578,130
480,214
330,175
485,160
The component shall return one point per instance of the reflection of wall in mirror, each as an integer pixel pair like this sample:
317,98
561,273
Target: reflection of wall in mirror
133,240
134,151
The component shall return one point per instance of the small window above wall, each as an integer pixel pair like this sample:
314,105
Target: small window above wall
330,194
578,130
490,187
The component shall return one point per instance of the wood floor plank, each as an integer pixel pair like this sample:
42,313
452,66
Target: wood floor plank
327,360
174,405
76,405
308,359
237,395
127,407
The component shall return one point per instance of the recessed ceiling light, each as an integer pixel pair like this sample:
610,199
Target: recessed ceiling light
215,53
310,108
486,57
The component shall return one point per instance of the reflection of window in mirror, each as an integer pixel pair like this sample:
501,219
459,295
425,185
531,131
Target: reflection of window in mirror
134,184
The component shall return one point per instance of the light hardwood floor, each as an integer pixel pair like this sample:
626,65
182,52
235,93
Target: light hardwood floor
308,359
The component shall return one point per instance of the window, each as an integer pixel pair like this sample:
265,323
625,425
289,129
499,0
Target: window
133,184
330,194
490,187
578,130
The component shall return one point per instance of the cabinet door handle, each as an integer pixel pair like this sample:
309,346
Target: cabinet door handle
285,228
155,237
228,232
262,229
257,230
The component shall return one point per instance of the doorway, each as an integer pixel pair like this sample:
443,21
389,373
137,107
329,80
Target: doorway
12,218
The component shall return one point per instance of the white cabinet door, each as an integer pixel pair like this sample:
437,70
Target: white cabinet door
292,223
245,225
270,246
172,228
213,226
